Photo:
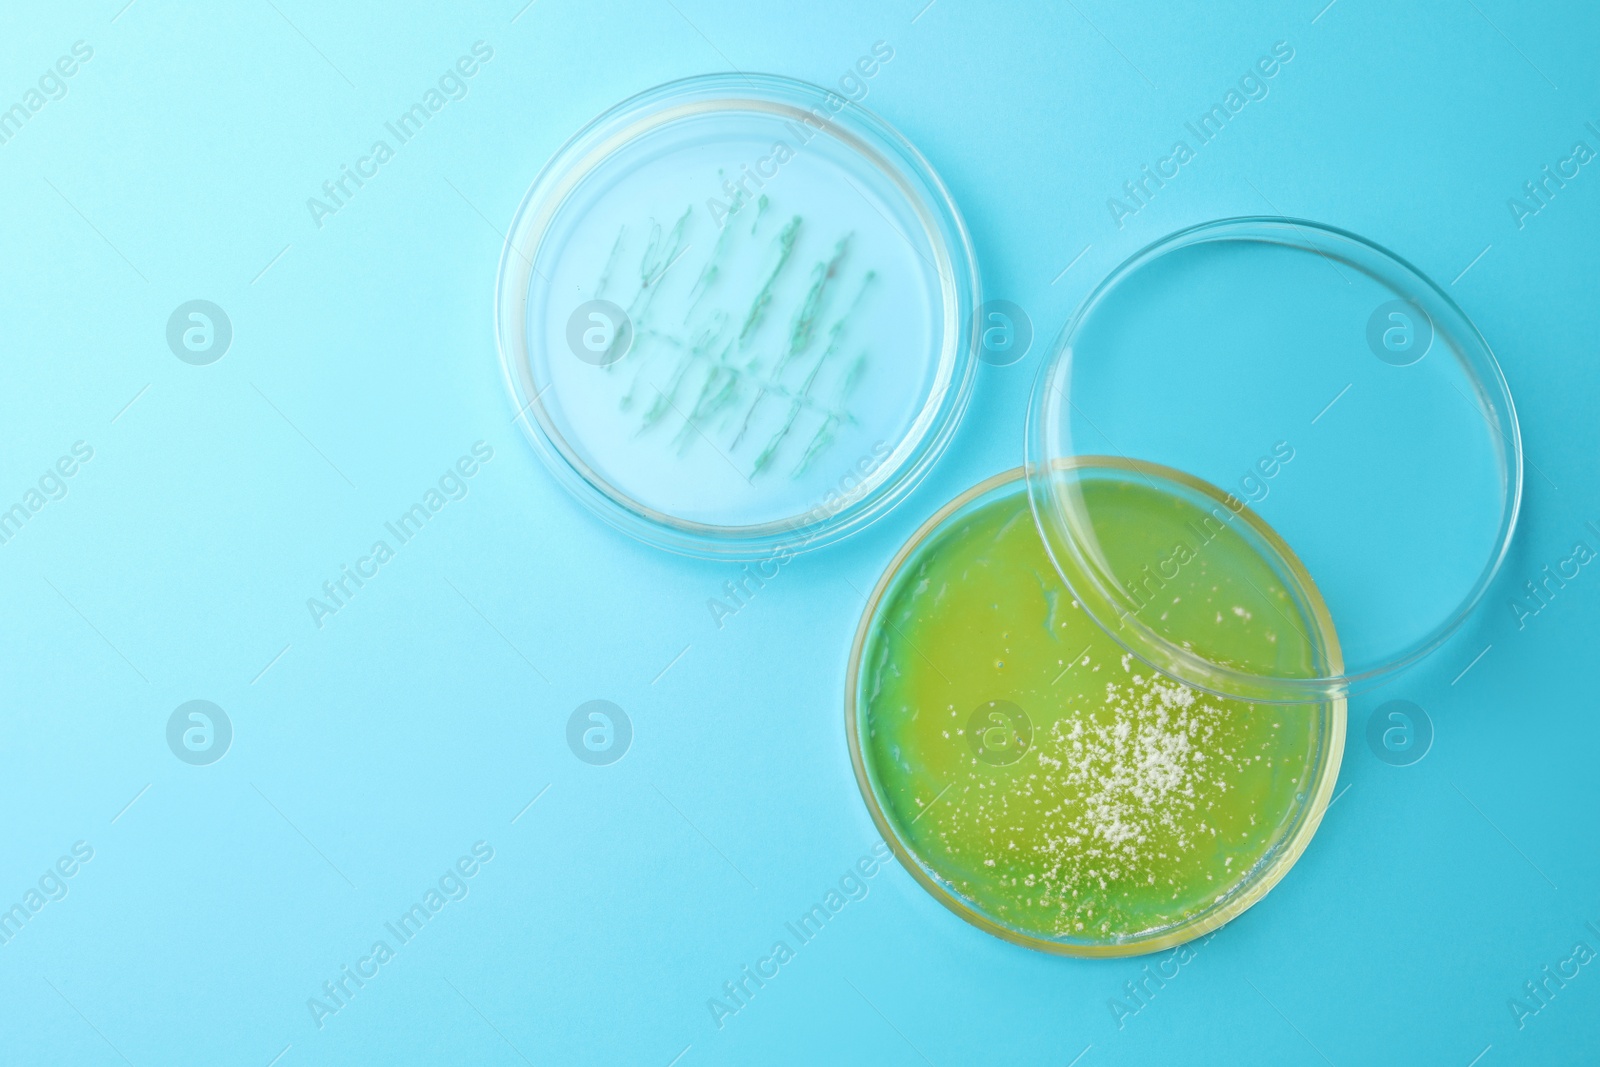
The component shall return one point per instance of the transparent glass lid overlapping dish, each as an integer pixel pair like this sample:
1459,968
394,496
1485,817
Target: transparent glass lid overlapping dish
1324,386
736,312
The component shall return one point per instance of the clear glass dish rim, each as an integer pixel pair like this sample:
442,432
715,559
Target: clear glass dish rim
1171,658
1254,883
959,285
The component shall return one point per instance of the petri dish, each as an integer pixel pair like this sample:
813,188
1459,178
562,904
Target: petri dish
1330,390
1097,705
735,315
1038,779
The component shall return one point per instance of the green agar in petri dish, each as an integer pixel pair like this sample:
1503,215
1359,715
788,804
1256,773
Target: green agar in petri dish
1059,790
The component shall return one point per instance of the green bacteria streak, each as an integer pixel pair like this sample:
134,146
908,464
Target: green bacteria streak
703,343
785,247
805,320
824,433
722,367
830,422
611,263
800,331
720,387
723,378
659,256
713,267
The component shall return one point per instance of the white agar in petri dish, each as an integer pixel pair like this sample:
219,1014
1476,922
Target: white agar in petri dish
736,317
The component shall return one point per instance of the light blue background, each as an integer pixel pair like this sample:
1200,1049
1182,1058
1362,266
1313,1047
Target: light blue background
372,753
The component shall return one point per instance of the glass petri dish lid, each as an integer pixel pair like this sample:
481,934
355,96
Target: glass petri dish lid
1352,417
735,313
